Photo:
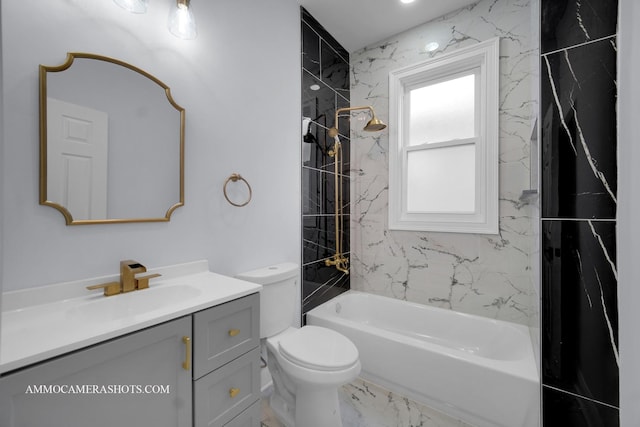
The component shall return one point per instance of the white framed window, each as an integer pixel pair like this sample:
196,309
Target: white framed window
443,142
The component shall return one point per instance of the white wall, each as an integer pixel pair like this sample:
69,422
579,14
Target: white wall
239,82
628,233
1,174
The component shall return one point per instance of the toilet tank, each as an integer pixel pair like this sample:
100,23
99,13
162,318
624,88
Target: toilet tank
277,297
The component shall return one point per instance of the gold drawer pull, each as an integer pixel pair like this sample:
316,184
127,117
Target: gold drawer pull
233,392
186,365
233,333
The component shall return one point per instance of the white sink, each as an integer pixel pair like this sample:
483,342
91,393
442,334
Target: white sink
39,323
132,304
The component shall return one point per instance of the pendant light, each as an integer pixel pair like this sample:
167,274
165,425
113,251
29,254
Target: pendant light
182,24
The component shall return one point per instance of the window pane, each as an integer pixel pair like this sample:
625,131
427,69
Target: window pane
442,179
443,111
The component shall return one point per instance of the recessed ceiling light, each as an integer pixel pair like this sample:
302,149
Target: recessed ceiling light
314,87
407,1
430,47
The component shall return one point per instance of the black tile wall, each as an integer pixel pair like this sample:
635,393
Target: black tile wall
325,88
579,322
567,23
335,70
310,50
324,34
564,410
318,99
580,340
318,143
321,284
319,192
319,237
579,133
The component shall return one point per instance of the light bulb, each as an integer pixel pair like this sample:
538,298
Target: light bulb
133,6
182,24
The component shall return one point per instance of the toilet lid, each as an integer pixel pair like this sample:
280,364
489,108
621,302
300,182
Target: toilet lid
319,348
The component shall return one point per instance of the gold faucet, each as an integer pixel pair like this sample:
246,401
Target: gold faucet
132,277
128,271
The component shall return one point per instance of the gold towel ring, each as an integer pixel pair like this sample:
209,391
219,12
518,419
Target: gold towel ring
234,178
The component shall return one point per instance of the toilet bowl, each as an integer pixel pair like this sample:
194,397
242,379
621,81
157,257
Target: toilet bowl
307,364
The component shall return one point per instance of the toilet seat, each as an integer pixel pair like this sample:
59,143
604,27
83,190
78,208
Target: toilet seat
318,348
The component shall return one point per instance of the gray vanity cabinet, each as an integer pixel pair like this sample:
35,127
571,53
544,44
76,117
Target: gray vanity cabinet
104,385
210,379
226,364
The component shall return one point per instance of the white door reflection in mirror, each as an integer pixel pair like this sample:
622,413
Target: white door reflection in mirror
77,157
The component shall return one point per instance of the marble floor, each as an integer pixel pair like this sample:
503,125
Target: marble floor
364,404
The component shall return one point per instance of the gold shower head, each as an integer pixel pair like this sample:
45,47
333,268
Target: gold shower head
374,125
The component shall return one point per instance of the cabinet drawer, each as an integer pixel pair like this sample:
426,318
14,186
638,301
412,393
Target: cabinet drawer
250,417
227,391
225,332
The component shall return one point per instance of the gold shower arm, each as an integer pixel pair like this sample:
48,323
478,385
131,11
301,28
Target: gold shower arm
333,132
339,260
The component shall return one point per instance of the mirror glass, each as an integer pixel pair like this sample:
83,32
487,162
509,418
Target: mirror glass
111,142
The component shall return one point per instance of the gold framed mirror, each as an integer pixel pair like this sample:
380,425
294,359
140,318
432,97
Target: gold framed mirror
111,142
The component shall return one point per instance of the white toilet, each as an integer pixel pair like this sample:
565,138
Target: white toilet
307,364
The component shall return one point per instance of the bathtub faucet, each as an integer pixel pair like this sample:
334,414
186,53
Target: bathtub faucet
340,261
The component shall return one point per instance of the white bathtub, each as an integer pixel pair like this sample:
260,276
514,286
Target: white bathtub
479,370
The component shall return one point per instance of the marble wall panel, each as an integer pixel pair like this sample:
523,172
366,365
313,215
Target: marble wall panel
487,275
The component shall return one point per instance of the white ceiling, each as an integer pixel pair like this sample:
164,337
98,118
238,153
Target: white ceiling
359,23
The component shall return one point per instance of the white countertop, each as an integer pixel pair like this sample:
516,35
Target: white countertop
41,323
